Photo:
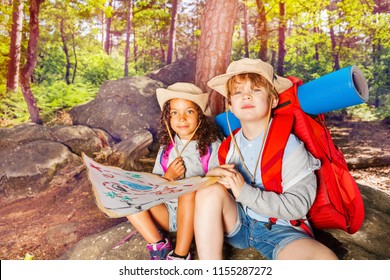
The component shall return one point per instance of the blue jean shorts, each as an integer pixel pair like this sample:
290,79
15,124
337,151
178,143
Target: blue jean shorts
249,232
172,214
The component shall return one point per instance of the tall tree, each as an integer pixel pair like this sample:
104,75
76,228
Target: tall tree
282,38
214,51
262,30
28,68
128,33
172,32
107,41
245,27
66,51
332,8
15,45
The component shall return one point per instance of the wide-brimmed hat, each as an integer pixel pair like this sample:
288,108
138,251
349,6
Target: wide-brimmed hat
186,91
248,65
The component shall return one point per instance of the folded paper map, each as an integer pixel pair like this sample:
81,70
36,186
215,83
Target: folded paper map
119,192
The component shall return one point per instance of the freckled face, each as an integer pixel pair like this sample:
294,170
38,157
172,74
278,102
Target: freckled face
183,117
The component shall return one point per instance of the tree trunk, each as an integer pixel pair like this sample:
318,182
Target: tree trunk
172,32
214,51
335,54
27,70
75,58
108,33
282,38
128,32
15,45
316,46
263,31
245,27
66,51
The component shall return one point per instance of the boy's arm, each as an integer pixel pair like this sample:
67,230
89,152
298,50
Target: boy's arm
293,204
299,189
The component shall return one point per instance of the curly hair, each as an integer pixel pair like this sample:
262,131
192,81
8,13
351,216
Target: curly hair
207,133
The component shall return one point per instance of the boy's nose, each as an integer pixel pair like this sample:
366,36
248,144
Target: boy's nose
247,94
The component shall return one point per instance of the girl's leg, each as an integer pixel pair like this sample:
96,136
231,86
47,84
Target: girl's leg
306,249
185,223
215,215
145,222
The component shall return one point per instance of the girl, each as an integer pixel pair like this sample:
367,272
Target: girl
189,141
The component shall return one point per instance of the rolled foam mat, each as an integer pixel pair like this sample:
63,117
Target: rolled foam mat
340,89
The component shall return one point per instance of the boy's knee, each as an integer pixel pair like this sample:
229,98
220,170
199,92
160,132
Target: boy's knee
212,192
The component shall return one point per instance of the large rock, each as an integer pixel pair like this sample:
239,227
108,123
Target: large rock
27,169
31,155
182,70
371,242
122,108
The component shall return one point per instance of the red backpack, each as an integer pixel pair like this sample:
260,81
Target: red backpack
338,203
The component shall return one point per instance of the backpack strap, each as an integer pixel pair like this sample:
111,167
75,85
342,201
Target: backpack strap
224,147
165,157
271,161
203,159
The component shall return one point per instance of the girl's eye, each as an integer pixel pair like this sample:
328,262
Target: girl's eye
173,113
189,112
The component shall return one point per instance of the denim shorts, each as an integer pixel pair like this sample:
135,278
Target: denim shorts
249,232
172,214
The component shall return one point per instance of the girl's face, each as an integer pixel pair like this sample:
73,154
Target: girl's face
183,117
248,103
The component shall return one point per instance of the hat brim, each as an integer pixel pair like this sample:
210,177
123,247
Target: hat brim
164,95
218,83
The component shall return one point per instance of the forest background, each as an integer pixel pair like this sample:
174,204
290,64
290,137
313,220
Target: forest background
56,54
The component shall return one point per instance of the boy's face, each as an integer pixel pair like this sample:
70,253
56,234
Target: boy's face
250,104
183,117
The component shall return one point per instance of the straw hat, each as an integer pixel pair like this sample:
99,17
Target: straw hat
248,65
186,91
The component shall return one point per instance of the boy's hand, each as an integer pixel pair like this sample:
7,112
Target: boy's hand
175,170
235,183
224,170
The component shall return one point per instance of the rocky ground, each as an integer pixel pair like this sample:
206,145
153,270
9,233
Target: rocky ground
47,225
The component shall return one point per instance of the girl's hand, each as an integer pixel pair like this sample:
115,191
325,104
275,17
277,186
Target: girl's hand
175,170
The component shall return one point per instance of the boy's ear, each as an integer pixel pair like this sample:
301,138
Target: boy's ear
275,102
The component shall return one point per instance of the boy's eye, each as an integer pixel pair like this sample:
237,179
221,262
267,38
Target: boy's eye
257,91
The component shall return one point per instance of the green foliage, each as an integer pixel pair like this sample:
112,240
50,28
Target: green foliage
62,96
13,108
369,113
96,68
50,99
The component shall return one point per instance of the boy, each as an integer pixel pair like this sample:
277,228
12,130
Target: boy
239,210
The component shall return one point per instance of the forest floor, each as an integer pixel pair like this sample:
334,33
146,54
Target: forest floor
48,224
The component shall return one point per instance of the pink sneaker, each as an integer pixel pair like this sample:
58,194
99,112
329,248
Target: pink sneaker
159,251
172,258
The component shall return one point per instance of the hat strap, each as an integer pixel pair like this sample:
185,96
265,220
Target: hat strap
253,177
173,142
